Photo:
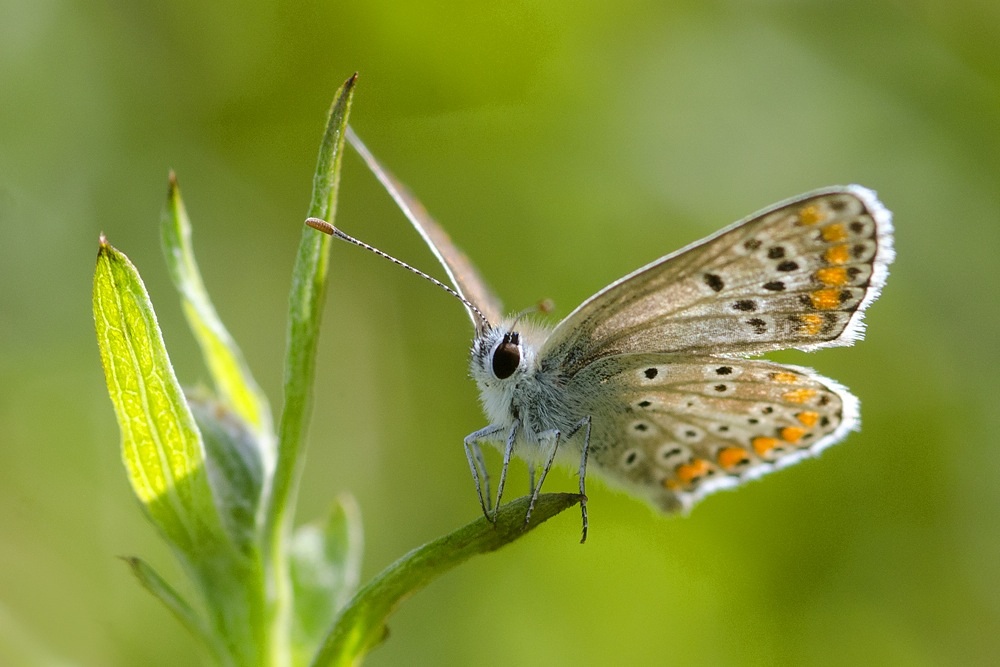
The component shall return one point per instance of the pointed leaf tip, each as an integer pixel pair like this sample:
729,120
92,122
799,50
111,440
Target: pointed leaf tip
305,311
234,383
160,589
160,444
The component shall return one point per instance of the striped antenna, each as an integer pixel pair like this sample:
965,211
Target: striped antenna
327,228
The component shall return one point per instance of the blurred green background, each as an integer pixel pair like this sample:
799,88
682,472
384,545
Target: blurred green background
563,144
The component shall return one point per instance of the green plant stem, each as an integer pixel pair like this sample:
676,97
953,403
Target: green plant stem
361,625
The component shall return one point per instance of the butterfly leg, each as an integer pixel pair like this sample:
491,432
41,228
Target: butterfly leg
537,488
583,474
474,455
484,471
507,453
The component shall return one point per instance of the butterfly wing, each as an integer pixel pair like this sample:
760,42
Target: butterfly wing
797,275
674,429
461,272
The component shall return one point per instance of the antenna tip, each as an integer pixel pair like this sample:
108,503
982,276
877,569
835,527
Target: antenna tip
321,225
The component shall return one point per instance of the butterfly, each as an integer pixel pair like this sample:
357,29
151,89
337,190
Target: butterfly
648,383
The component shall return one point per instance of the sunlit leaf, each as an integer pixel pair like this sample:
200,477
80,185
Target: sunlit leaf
161,445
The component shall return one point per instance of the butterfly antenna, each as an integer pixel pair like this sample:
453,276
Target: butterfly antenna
327,228
544,306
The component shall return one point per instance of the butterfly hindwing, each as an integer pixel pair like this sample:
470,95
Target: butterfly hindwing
674,429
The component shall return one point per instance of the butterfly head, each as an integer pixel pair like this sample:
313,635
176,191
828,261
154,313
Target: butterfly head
498,355
500,359
503,355
500,352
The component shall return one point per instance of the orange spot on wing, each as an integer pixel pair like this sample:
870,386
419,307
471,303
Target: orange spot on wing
763,444
792,434
832,275
785,377
810,215
689,473
799,395
808,418
731,457
671,484
825,299
838,254
811,324
834,233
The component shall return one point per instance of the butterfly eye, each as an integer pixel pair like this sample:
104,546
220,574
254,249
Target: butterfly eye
507,356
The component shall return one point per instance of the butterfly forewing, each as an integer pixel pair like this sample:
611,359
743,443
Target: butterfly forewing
674,429
798,275
461,272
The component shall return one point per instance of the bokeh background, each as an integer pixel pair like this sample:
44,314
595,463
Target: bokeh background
563,144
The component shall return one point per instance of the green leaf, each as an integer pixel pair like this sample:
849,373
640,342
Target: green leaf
361,626
239,449
325,569
234,383
304,315
161,445
235,469
177,605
